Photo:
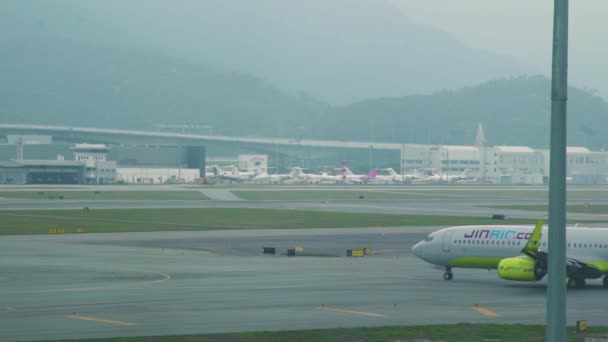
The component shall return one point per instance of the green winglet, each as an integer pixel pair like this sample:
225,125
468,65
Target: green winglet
531,248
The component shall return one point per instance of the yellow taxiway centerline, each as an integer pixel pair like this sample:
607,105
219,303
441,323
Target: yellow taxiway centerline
484,311
363,313
100,320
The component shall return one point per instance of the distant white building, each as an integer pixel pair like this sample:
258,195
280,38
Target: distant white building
583,167
444,159
515,165
29,139
252,161
457,160
98,170
416,158
133,175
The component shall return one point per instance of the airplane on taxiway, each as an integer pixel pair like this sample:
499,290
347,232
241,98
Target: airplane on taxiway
517,252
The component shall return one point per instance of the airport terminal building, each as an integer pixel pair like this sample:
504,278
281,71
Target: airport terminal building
91,166
504,164
42,172
100,164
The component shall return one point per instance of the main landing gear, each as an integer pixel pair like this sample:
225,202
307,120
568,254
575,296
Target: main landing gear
579,283
448,275
605,281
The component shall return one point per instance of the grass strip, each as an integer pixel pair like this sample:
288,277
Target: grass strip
454,332
106,195
185,219
575,208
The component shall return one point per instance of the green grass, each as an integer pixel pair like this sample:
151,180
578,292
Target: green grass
106,195
578,208
147,220
455,332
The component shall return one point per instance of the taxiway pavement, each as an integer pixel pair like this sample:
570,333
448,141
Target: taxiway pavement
141,284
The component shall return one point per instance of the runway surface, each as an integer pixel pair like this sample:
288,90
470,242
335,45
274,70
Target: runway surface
130,284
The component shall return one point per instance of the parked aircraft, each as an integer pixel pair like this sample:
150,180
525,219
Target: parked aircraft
394,177
231,175
517,252
350,178
443,178
264,177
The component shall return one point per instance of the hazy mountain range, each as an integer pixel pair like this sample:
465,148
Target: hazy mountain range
513,111
339,51
74,83
246,70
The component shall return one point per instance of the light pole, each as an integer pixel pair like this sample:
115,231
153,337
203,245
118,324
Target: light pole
556,289
277,170
371,148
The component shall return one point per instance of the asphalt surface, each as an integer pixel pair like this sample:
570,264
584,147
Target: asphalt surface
138,284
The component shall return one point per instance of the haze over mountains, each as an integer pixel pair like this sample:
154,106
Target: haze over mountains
514,111
267,68
75,83
339,51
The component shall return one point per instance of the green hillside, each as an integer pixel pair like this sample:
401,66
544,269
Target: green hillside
84,84
514,111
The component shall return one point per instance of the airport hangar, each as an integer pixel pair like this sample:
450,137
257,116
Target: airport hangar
498,164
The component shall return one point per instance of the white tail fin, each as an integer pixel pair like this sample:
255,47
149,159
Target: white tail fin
391,171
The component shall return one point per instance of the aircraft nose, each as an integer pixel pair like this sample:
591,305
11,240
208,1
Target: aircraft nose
417,249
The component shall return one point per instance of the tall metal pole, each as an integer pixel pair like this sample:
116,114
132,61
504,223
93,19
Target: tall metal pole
370,157
556,289
277,170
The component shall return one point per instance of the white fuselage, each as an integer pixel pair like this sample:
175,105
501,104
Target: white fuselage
485,246
326,178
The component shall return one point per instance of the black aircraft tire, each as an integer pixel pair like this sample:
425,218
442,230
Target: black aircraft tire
580,283
576,283
448,276
539,271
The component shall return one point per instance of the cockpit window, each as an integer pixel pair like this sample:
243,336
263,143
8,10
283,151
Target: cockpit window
429,238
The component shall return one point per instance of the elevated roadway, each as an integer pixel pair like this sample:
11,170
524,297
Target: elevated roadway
121,136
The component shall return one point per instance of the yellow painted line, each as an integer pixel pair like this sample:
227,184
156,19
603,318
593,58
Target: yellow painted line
363,313
111,287
484,311
100,320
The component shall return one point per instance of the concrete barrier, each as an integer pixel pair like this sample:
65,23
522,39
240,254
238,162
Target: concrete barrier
269,250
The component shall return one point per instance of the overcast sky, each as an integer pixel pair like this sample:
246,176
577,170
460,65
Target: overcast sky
522,29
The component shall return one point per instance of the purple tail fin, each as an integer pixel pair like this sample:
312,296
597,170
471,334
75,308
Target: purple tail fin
374,173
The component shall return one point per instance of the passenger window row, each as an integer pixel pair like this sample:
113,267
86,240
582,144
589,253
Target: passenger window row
587,245
487,242
518,243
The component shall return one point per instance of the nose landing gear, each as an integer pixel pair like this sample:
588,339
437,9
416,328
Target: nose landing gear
448,275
